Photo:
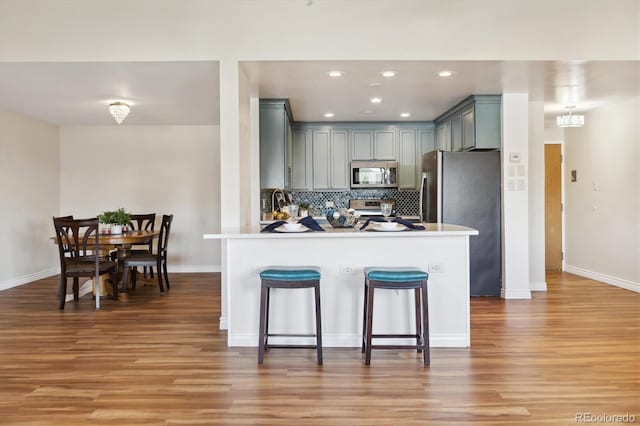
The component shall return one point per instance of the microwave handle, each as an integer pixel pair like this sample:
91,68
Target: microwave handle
421,205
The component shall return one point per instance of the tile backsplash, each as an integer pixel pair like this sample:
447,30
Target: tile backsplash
407,202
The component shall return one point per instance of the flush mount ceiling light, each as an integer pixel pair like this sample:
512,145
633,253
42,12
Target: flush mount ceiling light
376,100
119,111
328,115
335,73
445,73
570,120
405,115
388,74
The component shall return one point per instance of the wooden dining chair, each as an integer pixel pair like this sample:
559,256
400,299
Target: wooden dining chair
145,222
79,251
158,259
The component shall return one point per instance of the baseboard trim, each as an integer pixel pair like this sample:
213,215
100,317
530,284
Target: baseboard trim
25,279
181,269
351,340
607,279
515,294
538,286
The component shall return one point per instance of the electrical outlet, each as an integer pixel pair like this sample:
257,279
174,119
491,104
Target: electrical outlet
346,269
436,268
329,204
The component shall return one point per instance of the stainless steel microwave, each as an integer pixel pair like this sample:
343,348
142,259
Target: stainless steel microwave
374,174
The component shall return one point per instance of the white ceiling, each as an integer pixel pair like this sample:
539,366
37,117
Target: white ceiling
78,93
419,90
187,93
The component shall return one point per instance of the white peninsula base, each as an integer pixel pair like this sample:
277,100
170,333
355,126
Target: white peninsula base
342,255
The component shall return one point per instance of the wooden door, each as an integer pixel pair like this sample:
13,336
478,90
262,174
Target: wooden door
553,207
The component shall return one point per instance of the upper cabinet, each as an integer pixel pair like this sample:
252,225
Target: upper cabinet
472,124
302,161
373,144
276,139
330,159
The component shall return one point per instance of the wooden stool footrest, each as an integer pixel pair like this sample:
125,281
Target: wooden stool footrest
289,335
398,347
394,336
270,346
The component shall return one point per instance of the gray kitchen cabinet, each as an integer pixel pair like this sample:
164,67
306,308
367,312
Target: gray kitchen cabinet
475,123
444,136
321,159
275,134
362,145
407,161
302,161
427,143
330,159
373,144
339,159
456,133
384,145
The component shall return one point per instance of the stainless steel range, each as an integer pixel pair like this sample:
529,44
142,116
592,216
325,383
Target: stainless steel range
369,208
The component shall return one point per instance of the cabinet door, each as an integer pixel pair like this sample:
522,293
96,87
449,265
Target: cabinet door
362,145
444,136
302,165
468,129
427,143
384,146
288,137
321,157
456,133
407,160
339,160
272,146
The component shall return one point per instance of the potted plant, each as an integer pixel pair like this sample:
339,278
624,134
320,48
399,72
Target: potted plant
116,218
303,210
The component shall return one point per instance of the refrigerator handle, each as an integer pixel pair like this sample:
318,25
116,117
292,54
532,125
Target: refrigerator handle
421,205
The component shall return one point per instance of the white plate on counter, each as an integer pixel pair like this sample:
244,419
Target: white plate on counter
385,227
292,227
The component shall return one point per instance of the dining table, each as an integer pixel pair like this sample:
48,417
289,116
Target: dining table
122,243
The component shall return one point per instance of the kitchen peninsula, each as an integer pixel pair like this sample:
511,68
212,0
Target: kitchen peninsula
341,254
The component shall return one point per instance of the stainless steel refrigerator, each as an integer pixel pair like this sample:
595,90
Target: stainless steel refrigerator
463,188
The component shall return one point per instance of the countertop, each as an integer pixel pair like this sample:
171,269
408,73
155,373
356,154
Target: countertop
432,230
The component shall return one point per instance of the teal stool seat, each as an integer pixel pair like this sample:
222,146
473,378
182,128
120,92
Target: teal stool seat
288,277
396,275
291,274
396,278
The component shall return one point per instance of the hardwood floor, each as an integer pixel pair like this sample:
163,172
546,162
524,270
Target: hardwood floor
161,360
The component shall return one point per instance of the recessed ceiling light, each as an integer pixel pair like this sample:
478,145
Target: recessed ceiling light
375,84
376,100
405,114
445,73
328,115
367,111
335,73
388,73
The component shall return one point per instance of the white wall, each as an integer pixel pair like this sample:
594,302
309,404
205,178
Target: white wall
146,169
29,187
537,279
515,197
602,208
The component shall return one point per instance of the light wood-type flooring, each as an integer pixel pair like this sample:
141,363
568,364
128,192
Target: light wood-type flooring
161,360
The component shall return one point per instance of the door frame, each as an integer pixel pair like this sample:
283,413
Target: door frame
562,192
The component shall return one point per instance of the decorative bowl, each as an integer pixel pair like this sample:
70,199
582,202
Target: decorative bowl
338,220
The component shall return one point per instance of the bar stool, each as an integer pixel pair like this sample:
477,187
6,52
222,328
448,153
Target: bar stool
288,277
404,278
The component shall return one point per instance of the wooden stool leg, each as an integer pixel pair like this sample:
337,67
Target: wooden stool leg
266,321
263,314
318,322
369,329
425,323
419,340
364,316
